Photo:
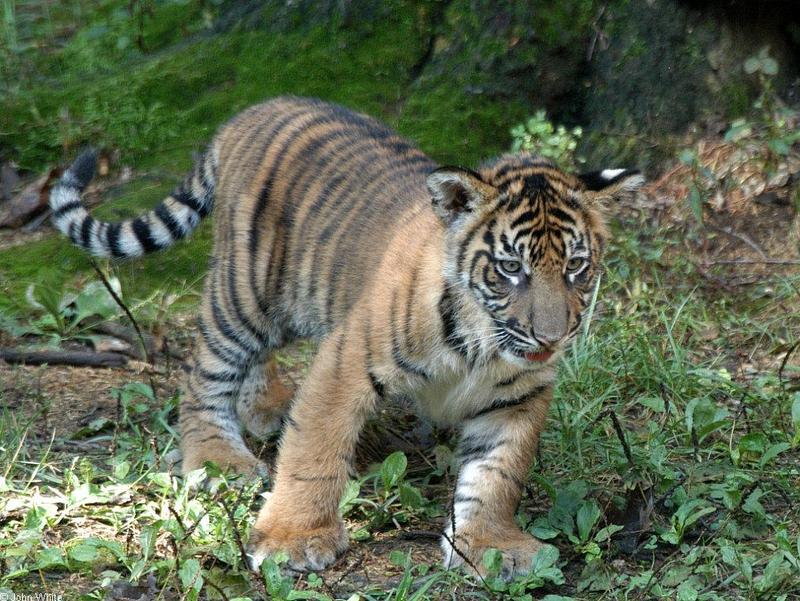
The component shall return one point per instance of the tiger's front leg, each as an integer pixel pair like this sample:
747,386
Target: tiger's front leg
301,516
496,450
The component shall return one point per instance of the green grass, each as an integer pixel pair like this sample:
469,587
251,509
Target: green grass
154,108
669,468
695,497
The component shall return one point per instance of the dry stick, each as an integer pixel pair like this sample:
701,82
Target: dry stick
754,262
78,358
734,234
238,536
785,361
122,306
452,541
218,589
620,434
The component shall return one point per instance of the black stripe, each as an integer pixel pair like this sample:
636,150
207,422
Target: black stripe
300,478
524,218
66,208
331,198
214,344
503,474
238,311
377,386
223,377
205,407
323,167
447,314
339,355
506,403
144,235
513,379
470,449
291,422
397,354
562,215
185,197
169,221
224,326
467,499
343,224
113,234
255,236
86,231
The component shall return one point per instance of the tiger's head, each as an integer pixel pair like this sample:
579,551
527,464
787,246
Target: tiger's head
525,240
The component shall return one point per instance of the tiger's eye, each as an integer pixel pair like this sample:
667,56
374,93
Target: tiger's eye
575,263
510,267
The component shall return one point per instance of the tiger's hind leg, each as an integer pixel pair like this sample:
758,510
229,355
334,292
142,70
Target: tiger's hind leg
229,367
264,400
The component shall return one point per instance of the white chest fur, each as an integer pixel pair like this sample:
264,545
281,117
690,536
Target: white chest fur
456,392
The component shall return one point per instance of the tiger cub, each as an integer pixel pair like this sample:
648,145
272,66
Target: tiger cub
453,287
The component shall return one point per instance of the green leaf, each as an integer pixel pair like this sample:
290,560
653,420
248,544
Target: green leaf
686,592
606,533
94,299
351,492
410,496
696,203
738,130
653,403
773,452
542,529
191,577
49,558
778,146
796,413
393,469
769,66
752,505
492,561
588,514
545,558
751,65
84,552
773,574
755,443
92,428
121,470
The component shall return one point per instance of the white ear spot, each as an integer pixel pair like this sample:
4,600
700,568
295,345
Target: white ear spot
611,173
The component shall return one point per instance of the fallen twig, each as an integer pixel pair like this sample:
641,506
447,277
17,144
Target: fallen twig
766,261
78,358
122,306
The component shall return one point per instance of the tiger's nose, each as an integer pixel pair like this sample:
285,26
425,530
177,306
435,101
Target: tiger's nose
548,336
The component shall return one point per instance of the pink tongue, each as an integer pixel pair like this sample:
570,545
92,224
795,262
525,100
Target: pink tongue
540,356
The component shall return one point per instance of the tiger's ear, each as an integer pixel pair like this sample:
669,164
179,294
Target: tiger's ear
611,184
455,191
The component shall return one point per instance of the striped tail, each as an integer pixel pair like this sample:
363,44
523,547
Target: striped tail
174,218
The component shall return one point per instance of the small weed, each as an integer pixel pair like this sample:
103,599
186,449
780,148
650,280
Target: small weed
539,136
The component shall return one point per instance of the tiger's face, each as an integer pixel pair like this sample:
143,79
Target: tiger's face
525,241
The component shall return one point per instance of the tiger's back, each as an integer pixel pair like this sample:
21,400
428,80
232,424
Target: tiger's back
308,195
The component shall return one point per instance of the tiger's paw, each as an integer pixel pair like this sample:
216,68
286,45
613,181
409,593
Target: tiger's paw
246,466
517,549
308,550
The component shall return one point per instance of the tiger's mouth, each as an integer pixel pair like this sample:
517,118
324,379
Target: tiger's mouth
538,356
520,345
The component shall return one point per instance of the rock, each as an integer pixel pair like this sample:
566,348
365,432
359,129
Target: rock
28,203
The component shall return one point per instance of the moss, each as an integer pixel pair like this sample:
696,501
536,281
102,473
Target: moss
157,107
